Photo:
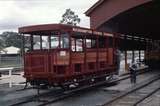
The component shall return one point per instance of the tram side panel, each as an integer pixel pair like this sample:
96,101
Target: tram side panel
77,63
110,56
54,67
91,61
59,66
36,66
93,64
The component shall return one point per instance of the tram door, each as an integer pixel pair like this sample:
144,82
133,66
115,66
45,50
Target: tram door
59,54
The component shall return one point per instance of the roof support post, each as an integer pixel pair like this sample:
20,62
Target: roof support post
139,50
139,55
147,49
41,42
85,55
31,42
133,56
125,57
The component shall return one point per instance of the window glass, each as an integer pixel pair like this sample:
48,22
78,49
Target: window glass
102,43
79,45
93,43
54,41
88,43
45,42
110,42
36,42
73,44
27,43
64,40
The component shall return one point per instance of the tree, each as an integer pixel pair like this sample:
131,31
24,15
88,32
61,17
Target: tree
70,18
11,39
1,44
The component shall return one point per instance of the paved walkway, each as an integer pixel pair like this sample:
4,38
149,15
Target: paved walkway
13,79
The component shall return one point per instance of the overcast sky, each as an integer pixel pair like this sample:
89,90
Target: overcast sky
17,13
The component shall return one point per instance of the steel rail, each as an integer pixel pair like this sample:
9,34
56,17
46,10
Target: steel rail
32,98
148,95
138,87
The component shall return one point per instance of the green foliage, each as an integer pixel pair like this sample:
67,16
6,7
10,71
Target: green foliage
11,39
70,18
1,44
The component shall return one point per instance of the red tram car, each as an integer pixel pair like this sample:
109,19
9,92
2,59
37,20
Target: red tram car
61,55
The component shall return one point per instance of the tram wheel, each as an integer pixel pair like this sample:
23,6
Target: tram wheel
65,87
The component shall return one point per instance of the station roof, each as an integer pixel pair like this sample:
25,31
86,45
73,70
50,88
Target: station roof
94,7
142,21
136,18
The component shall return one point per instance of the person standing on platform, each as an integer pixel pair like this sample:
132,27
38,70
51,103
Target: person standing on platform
132,70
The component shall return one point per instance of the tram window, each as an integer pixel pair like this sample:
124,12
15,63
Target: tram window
93,43
64,41
88,43
54,41
73,44
102,42
36,42
110,42
27,43
79,45
45,42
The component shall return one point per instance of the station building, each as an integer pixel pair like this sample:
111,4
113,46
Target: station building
138,20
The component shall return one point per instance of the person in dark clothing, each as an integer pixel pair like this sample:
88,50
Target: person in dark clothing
132,70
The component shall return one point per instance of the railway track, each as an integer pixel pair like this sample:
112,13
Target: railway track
136,95
123,77
45,98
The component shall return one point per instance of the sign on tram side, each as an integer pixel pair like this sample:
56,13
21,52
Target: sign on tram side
89,31
82,30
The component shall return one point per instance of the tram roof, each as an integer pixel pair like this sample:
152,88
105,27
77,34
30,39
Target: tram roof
49,28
